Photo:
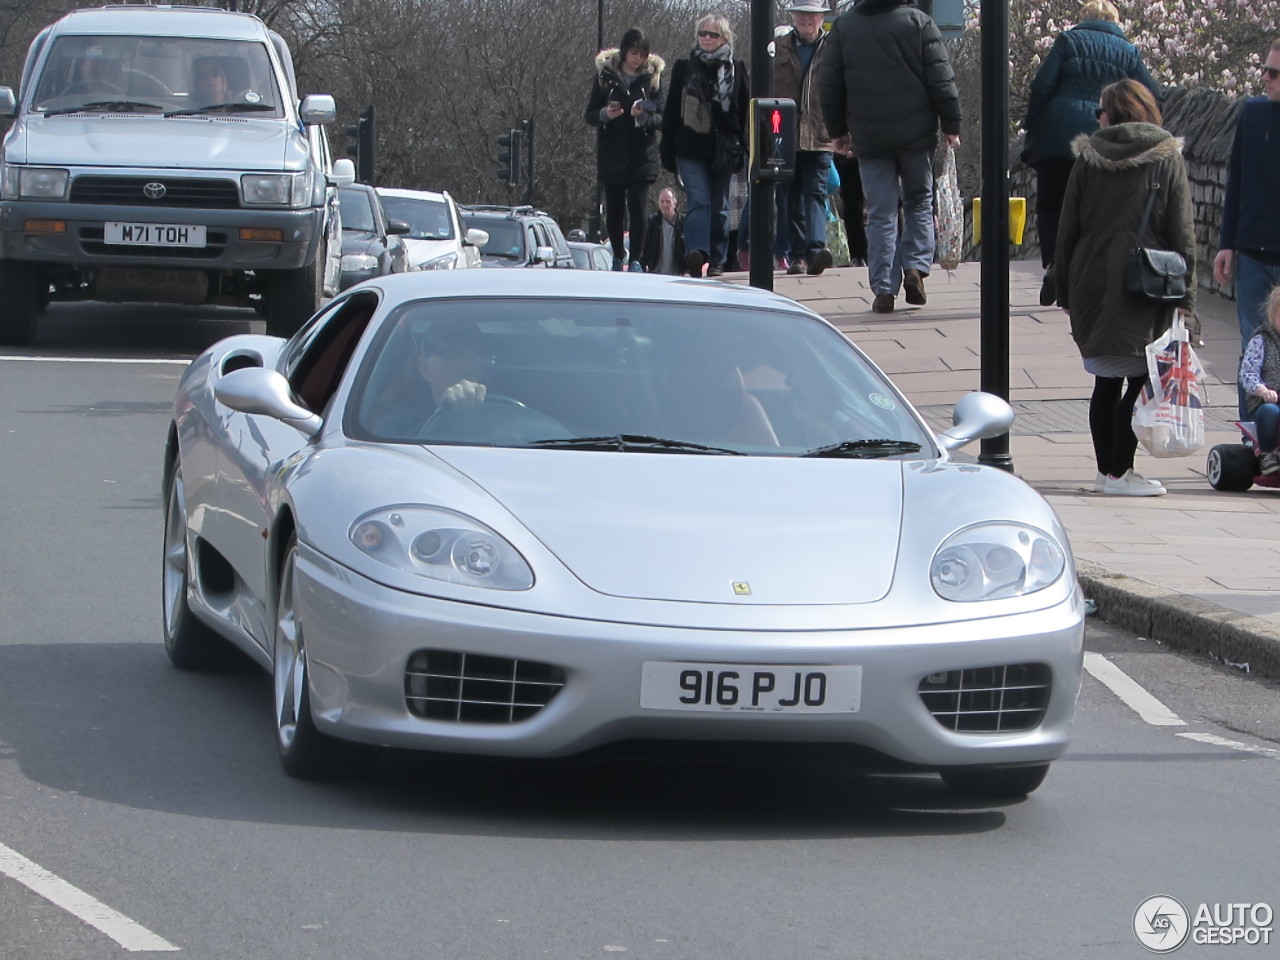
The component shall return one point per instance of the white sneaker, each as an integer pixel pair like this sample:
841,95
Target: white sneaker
1100,482
1133,485
1270,463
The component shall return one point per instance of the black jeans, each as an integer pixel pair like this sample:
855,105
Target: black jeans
625,202
1051,188
1111,423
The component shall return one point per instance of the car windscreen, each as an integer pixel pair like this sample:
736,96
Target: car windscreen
170,75
357,212
506,237
427,219
627,376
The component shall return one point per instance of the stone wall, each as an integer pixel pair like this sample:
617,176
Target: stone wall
1206,122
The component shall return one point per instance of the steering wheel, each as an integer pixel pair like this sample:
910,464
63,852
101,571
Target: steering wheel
455,409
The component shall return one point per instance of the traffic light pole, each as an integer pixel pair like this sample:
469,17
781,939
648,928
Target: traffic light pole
528,136
763,209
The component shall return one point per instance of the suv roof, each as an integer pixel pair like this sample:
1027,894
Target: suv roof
143,19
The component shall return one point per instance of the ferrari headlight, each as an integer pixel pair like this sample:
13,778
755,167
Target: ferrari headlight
448,261
276,189
443,545
992,561
35,183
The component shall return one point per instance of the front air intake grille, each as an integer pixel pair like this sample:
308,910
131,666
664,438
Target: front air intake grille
178,192
469,688
988,699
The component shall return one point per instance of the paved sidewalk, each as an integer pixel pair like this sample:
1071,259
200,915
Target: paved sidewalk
1196,568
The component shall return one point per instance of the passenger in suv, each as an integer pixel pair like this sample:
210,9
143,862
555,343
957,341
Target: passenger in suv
518,237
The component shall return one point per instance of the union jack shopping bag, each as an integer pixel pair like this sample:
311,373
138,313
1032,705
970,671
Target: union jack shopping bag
948,213
1169,416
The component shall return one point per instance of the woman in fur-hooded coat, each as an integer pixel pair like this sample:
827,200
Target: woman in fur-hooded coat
1117,169
625,106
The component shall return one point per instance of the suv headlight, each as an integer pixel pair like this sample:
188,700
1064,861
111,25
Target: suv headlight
359,263
992,561
442,545
276,189
35,183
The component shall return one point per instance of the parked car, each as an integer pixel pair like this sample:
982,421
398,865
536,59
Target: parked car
436,239
371,241
591,256
519,237
529,515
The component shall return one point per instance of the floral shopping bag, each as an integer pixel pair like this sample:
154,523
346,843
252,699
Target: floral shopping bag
948,212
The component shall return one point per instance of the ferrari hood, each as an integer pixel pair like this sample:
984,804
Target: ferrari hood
211,143
704,529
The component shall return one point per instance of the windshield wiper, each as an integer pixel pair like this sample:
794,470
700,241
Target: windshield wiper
868,449
106,106
234,107
631,442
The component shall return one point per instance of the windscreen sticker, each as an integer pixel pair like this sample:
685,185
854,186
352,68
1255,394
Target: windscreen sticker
880,400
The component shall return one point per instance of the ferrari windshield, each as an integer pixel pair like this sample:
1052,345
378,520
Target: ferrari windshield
170,75
626,376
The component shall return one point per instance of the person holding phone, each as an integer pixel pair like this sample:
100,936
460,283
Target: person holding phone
625,106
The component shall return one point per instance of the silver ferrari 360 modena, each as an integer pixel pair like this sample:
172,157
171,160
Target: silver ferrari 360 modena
532,514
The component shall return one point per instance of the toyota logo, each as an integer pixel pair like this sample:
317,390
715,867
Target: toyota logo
154,190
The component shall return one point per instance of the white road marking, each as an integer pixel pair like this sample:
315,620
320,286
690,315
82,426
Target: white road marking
130,935
1232,744
97,360
1127,689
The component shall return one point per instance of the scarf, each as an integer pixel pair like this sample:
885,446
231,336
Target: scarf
722,59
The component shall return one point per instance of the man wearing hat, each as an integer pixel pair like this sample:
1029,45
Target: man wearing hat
797,59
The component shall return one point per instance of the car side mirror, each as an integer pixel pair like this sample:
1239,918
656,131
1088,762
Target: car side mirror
344,173
544,255
259,390
318,108
477,238
978,416
8,105
398,228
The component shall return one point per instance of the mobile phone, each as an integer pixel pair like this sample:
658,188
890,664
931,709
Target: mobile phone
615,105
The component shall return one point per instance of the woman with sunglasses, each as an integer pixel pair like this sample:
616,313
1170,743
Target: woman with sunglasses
704,139
1060,107
1129,179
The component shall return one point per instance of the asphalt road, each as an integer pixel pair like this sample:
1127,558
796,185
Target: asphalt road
158,794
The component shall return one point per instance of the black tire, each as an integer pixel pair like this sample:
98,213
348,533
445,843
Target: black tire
1000,783
190,644
1231,467
20,294
305,752
294,295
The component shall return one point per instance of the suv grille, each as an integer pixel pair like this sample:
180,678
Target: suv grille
988,699
469,688
179,192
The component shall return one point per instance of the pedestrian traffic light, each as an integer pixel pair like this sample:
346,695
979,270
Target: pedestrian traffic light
512,155
362,145
773,140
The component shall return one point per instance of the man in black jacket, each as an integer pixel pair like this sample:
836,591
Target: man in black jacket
664,238
886,83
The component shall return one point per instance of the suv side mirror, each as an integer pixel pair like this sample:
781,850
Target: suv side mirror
318,108
477,238
344,172
397,228
544,255
8,106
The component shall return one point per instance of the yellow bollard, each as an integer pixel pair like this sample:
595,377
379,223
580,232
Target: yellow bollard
1017,219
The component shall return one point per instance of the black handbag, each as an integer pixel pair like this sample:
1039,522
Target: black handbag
1150,274
729,152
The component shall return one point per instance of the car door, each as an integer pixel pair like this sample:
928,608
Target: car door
258,449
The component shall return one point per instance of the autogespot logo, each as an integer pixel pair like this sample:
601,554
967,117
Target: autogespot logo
1161,924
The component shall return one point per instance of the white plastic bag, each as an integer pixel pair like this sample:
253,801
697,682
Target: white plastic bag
1168,419
948,211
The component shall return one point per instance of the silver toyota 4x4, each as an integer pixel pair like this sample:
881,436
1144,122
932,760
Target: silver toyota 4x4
162,154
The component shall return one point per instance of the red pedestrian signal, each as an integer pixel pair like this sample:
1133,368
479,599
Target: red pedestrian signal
773,140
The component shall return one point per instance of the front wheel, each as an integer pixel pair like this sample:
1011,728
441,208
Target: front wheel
1231,467
1007,783
294,295
305,752
21,294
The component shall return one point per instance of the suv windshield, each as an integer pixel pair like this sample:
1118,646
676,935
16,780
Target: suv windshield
506,237
171,75
626,376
